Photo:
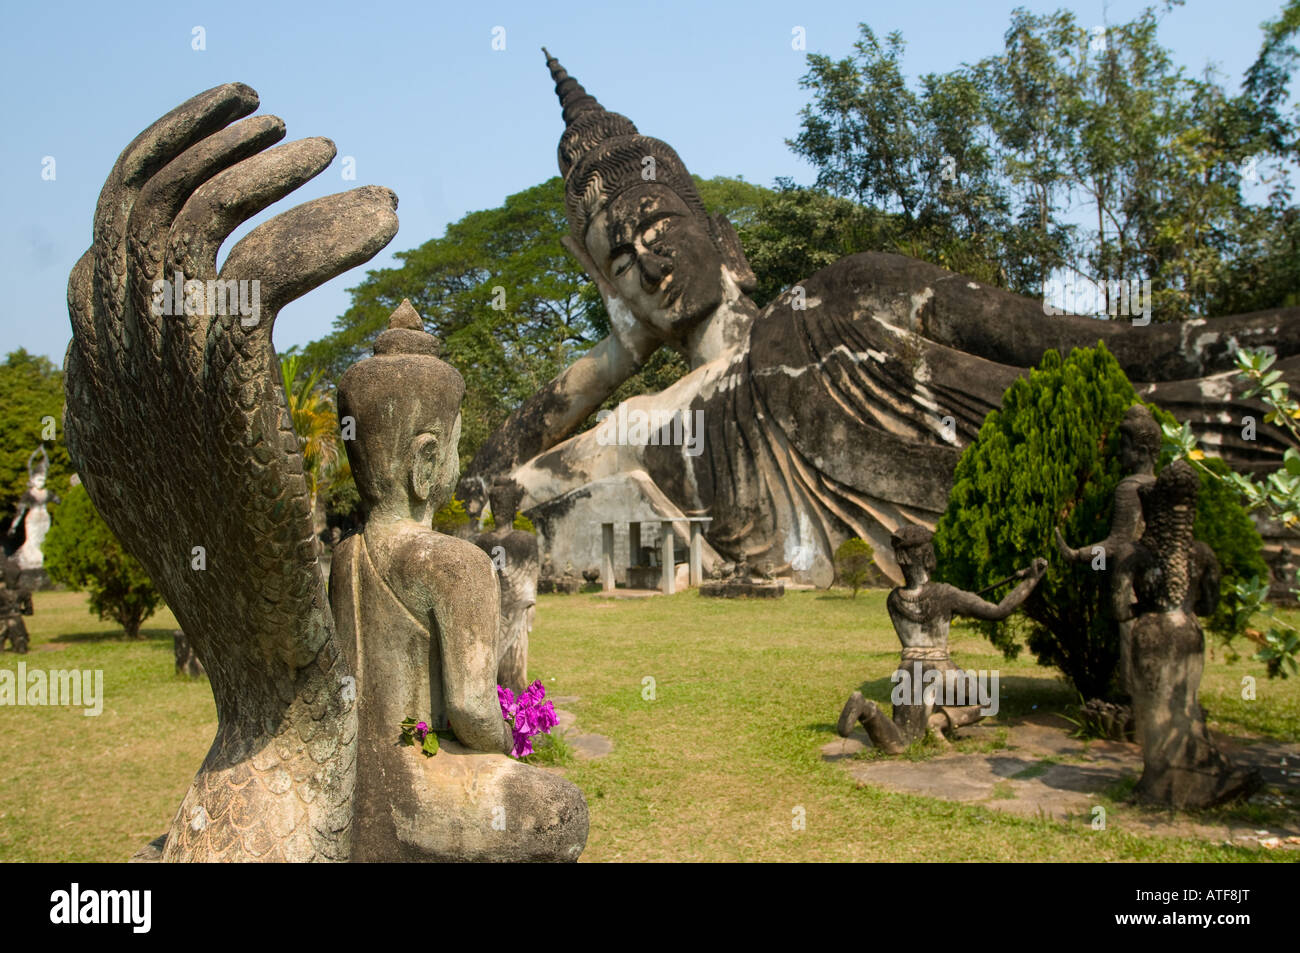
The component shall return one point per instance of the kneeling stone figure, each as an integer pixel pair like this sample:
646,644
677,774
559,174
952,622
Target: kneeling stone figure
921,611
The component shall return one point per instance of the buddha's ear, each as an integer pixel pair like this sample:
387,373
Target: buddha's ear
424,464
733,256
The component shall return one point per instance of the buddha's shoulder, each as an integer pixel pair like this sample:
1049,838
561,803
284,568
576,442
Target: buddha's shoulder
415,553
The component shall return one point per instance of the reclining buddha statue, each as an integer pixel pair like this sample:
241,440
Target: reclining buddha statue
838,410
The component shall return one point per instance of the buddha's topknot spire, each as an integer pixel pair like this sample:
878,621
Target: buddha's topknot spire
406,334
574,100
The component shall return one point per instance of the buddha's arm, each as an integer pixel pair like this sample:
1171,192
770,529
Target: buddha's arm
466,612
558,409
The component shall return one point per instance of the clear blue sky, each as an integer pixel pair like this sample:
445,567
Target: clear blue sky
418,96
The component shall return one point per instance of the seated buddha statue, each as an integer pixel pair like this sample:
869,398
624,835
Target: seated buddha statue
417,616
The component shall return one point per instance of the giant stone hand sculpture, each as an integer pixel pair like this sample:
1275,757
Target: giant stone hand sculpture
177,425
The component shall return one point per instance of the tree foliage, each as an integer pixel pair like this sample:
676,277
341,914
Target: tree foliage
854,559
1049,457
1073,152
31,409
82,553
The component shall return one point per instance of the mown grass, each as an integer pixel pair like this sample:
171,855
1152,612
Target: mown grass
717,758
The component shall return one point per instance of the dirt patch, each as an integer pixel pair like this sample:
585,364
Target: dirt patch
585,745
1031,767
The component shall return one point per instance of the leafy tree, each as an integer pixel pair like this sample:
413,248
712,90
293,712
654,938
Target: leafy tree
31,412
1277,496
1071,152
1047,457
315,420
925,160
82,552
854,559
500,292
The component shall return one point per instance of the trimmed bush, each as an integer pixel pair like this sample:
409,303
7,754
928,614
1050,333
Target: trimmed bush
1049,457
854,560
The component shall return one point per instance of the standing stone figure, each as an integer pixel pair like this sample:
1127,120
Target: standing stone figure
37,518
417,614
1182,768
921,611
15,602
1139,446
514,554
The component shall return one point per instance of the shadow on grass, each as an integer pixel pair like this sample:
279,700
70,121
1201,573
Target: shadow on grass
119,635
1017,694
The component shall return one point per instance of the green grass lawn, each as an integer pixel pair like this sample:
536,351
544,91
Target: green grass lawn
715,767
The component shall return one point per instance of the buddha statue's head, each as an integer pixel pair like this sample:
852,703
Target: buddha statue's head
404,405
504,496
635,211
914,552
1140,440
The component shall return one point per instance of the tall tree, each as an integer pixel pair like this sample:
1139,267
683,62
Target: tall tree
1076,151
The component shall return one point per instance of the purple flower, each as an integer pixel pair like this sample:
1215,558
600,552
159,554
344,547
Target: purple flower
422,729
529,714
507,699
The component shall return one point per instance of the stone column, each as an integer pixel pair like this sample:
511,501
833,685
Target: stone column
669,584
607,556
634,544
697,552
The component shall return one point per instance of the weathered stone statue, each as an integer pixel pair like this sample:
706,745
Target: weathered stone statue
15,602
1139,446
514,554
921,611
187,662
1140,442
418,616
176,420
840,410
34,517
1182,768
177,423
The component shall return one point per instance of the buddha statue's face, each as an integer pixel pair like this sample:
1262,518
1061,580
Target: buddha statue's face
659,258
